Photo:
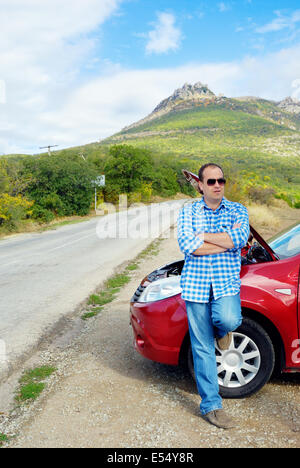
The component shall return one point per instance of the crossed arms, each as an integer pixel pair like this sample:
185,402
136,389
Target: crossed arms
212,243
216,243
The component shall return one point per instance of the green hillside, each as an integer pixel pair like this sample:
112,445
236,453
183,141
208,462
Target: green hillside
254,138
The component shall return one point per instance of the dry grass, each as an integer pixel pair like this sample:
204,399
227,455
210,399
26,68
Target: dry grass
30,225
262,217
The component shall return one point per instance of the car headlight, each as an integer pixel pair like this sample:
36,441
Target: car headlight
161,289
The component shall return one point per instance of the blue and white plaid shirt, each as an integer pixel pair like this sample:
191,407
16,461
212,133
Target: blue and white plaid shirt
221,271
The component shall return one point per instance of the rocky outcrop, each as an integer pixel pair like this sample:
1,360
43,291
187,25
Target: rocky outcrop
188,92
290,105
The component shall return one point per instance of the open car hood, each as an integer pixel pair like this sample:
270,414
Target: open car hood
193,179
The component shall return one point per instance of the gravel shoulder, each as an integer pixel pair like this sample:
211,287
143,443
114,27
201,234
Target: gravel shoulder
104,394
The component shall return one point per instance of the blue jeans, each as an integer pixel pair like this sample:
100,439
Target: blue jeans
208,320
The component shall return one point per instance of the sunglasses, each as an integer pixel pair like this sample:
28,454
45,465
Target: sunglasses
212,182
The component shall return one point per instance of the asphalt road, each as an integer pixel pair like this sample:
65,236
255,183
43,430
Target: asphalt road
43,277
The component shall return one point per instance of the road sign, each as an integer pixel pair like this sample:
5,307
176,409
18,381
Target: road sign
100,181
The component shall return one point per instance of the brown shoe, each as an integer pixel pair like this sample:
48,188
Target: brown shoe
225,342
220,419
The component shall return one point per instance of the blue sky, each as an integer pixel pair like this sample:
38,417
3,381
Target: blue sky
207,31
76,71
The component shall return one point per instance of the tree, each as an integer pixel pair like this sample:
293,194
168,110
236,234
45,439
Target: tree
61,185
128,167
18,180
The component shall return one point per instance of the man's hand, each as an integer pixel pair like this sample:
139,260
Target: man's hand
221,239
208,249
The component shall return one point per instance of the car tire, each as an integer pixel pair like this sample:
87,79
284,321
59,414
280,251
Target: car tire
247,365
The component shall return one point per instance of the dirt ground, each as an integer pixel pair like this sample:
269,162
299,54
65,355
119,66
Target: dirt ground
104,394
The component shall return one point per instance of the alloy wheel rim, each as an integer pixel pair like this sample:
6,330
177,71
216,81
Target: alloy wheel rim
238,365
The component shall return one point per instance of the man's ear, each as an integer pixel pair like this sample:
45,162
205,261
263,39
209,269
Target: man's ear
200,188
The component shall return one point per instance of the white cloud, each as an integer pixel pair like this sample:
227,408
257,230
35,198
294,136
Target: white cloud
52,20
2,92
223,7
280,22
296,88
165,36
43,46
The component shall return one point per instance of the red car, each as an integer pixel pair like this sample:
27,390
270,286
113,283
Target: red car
269,337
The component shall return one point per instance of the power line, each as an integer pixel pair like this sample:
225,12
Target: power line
48,147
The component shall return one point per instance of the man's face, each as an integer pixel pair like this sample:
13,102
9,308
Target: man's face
213,193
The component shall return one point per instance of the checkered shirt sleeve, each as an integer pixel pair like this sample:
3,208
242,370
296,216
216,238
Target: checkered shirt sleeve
239,236
187,237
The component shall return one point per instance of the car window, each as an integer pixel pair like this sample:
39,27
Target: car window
287,244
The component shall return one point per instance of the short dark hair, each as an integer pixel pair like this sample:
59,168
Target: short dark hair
202,169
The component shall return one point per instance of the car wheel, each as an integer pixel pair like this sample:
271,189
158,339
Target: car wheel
247,365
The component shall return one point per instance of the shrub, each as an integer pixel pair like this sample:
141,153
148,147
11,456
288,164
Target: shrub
54,203
42,214
262,195
134,197
13,210
146,191
111,193
234,192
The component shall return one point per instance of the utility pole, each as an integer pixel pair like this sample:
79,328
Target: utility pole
48,147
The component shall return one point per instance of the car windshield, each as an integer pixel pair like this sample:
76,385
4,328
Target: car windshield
287,243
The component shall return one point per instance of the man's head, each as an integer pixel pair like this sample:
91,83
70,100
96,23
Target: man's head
212,182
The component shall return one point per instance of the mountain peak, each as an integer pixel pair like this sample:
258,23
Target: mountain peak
188,92
194,95
182,96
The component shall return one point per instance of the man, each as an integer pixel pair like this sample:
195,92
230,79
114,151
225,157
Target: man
211,233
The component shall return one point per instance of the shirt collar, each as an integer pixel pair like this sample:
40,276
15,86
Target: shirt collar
223,204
